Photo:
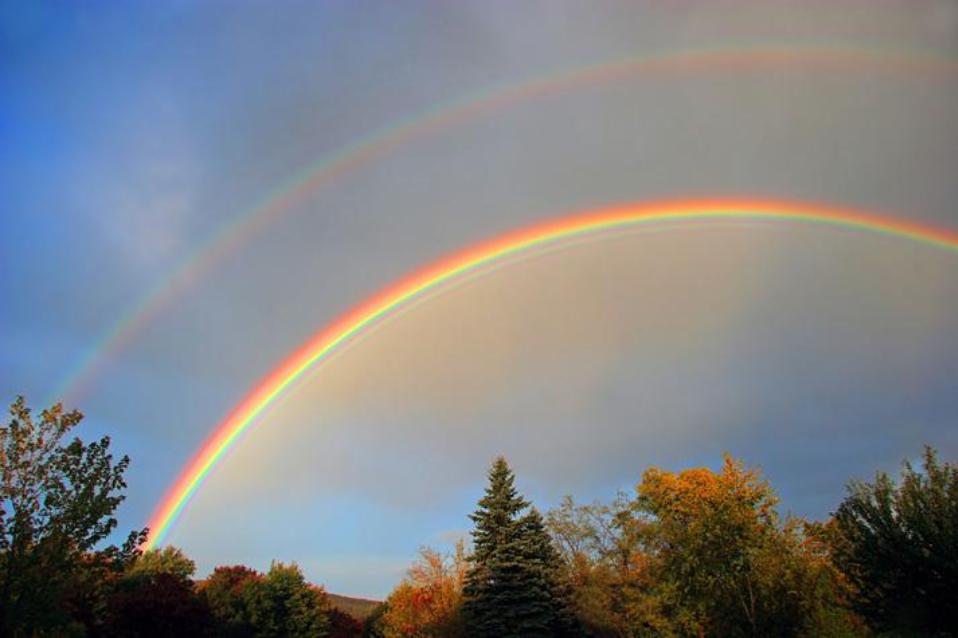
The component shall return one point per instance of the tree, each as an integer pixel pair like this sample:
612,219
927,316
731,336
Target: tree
722,564
169,560
299,609
342,625
244,602
372,626
510,589
706,528
428,601
283,604
601,548
699,553
156,596
898,544
57,501
543,569
157,604
228,593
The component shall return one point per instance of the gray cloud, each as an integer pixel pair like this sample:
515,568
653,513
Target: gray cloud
821,354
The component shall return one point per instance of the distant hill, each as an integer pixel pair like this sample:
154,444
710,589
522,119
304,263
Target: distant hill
358,608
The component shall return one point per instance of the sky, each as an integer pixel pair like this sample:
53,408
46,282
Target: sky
132,135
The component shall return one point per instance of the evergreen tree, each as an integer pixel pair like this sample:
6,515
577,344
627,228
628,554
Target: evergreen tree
512,588
549,606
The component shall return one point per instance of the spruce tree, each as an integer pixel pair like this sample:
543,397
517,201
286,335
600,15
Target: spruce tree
512,588
549,607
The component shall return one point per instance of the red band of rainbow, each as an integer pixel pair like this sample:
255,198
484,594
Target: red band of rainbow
443,272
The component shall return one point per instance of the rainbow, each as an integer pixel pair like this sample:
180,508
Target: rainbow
445,115
444,273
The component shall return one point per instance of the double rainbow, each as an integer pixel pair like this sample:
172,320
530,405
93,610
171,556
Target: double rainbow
443,273
366,149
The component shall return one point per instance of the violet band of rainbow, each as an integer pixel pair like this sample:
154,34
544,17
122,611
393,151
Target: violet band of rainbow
447,270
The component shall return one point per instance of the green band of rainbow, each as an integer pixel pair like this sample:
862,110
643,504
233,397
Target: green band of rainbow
446,271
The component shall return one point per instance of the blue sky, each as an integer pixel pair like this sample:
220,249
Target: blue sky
132,133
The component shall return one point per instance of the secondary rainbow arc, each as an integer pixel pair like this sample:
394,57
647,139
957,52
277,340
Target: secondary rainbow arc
434,277
368,148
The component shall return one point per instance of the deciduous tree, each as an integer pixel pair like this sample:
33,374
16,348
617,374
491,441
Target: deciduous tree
898,543
157,604
724,564
229,594
57,504
169,560
428,601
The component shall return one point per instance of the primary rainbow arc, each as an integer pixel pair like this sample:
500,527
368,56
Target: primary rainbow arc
438,275
445,115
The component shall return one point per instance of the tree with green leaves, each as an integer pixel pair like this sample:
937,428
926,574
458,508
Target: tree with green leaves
57,505
898,544
297,609
512,588
169,560
280,603
229,593
598,544
722,563
544,573
698,553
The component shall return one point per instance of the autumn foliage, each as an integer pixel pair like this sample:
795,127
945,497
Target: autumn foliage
697,552
427,602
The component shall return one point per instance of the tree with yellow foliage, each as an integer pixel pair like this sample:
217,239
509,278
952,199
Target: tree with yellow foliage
699,553
427,602
723,562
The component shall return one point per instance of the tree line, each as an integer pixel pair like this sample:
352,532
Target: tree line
690,553
696,553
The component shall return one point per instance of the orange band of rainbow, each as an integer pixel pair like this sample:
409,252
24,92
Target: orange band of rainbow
439,274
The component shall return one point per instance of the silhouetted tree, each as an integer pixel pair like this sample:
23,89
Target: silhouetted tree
342,625
57,501
899,546
147,605
372,626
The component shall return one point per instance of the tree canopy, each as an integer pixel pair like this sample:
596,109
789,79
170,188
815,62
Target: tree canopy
696,552
57,503
428,601
898,544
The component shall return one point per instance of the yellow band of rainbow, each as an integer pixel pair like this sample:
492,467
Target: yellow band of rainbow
443,272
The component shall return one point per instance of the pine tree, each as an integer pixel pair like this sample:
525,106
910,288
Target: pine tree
512,589
549,607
